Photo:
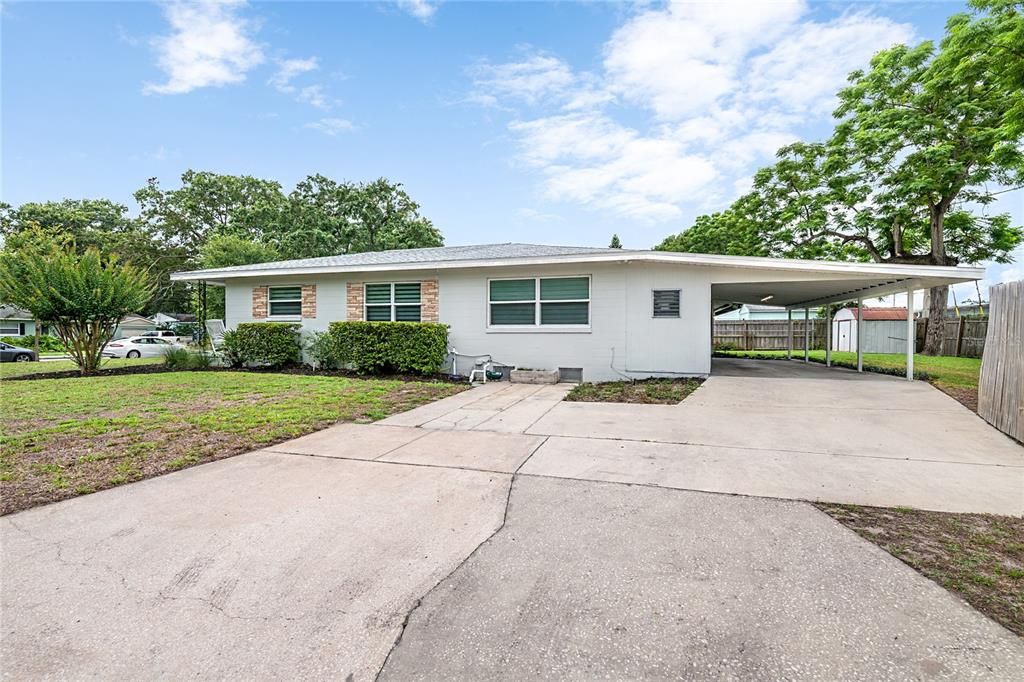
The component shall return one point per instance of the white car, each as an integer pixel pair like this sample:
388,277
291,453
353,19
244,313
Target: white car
165,334
138,347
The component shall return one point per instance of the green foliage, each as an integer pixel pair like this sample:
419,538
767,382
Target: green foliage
101,224
275,344
391,347
47,343
322,351
182,358
82,296
226,250
325,218
616,243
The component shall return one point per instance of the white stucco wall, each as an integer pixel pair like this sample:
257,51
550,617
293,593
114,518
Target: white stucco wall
622,326
624,338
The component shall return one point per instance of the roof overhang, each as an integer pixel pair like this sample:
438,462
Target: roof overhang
862,279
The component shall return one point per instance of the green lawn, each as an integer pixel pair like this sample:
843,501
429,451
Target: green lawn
17,369
946,371
657,391
66,437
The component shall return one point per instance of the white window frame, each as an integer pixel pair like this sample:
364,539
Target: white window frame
270,307
19,328
392,304
536,301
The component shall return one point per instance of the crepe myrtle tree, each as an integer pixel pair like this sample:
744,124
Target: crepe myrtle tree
82,296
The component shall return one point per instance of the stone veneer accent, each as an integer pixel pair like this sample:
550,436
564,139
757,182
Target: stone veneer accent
259,303
308,301
428,300
354,301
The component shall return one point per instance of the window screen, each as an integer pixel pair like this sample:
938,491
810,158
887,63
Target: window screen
285,300
666,302
398,302
556,301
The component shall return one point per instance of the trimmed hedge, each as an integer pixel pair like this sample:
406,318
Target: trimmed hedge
274,344
47,343
390,347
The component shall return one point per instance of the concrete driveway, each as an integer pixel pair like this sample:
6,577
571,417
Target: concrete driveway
471,539
768,428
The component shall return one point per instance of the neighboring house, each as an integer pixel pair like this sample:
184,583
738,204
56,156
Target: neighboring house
609,312
170,318
757,312
885,329
17,322
133,325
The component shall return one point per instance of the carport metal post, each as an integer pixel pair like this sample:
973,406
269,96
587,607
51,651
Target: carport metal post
828,334
789,333
860,328
910,334
807,334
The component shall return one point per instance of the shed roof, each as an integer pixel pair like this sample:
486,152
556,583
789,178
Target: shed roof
880,313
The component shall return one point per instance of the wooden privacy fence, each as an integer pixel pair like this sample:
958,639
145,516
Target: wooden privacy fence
962,336
1001,388
766,334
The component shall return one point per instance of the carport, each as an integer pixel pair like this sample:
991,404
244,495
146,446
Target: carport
811,284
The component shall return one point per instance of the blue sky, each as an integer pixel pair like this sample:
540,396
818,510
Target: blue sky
547,122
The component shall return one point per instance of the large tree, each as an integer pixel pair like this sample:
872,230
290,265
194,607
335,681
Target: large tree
325,217
209,204
82,296
223,251
926,139
101,224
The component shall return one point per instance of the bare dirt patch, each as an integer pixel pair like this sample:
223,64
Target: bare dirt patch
980,557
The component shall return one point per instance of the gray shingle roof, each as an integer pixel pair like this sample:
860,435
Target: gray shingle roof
441,254
9,312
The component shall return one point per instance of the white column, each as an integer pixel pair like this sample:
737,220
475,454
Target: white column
860,328
910,334
828,334
807,334
789,334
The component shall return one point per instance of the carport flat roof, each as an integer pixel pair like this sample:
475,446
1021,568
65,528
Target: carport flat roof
812,293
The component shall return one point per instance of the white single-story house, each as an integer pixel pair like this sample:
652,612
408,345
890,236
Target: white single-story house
884,329
757,312
608,312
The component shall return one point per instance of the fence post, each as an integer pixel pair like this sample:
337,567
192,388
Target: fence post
960,336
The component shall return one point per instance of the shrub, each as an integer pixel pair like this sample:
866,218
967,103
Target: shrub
182,358
321,349
47,343
387,347
274,344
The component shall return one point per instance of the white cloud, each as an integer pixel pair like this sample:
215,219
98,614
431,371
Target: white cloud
288,69
423,10
332,126
210,45
536,77
711,91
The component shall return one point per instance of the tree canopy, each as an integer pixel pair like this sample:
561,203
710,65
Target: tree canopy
925,140
82,295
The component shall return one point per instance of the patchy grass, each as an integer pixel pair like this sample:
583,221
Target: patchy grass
956,376
18,369
67,437
659,391
978,556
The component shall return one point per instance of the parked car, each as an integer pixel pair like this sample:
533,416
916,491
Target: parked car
165,334
138,347
9,353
